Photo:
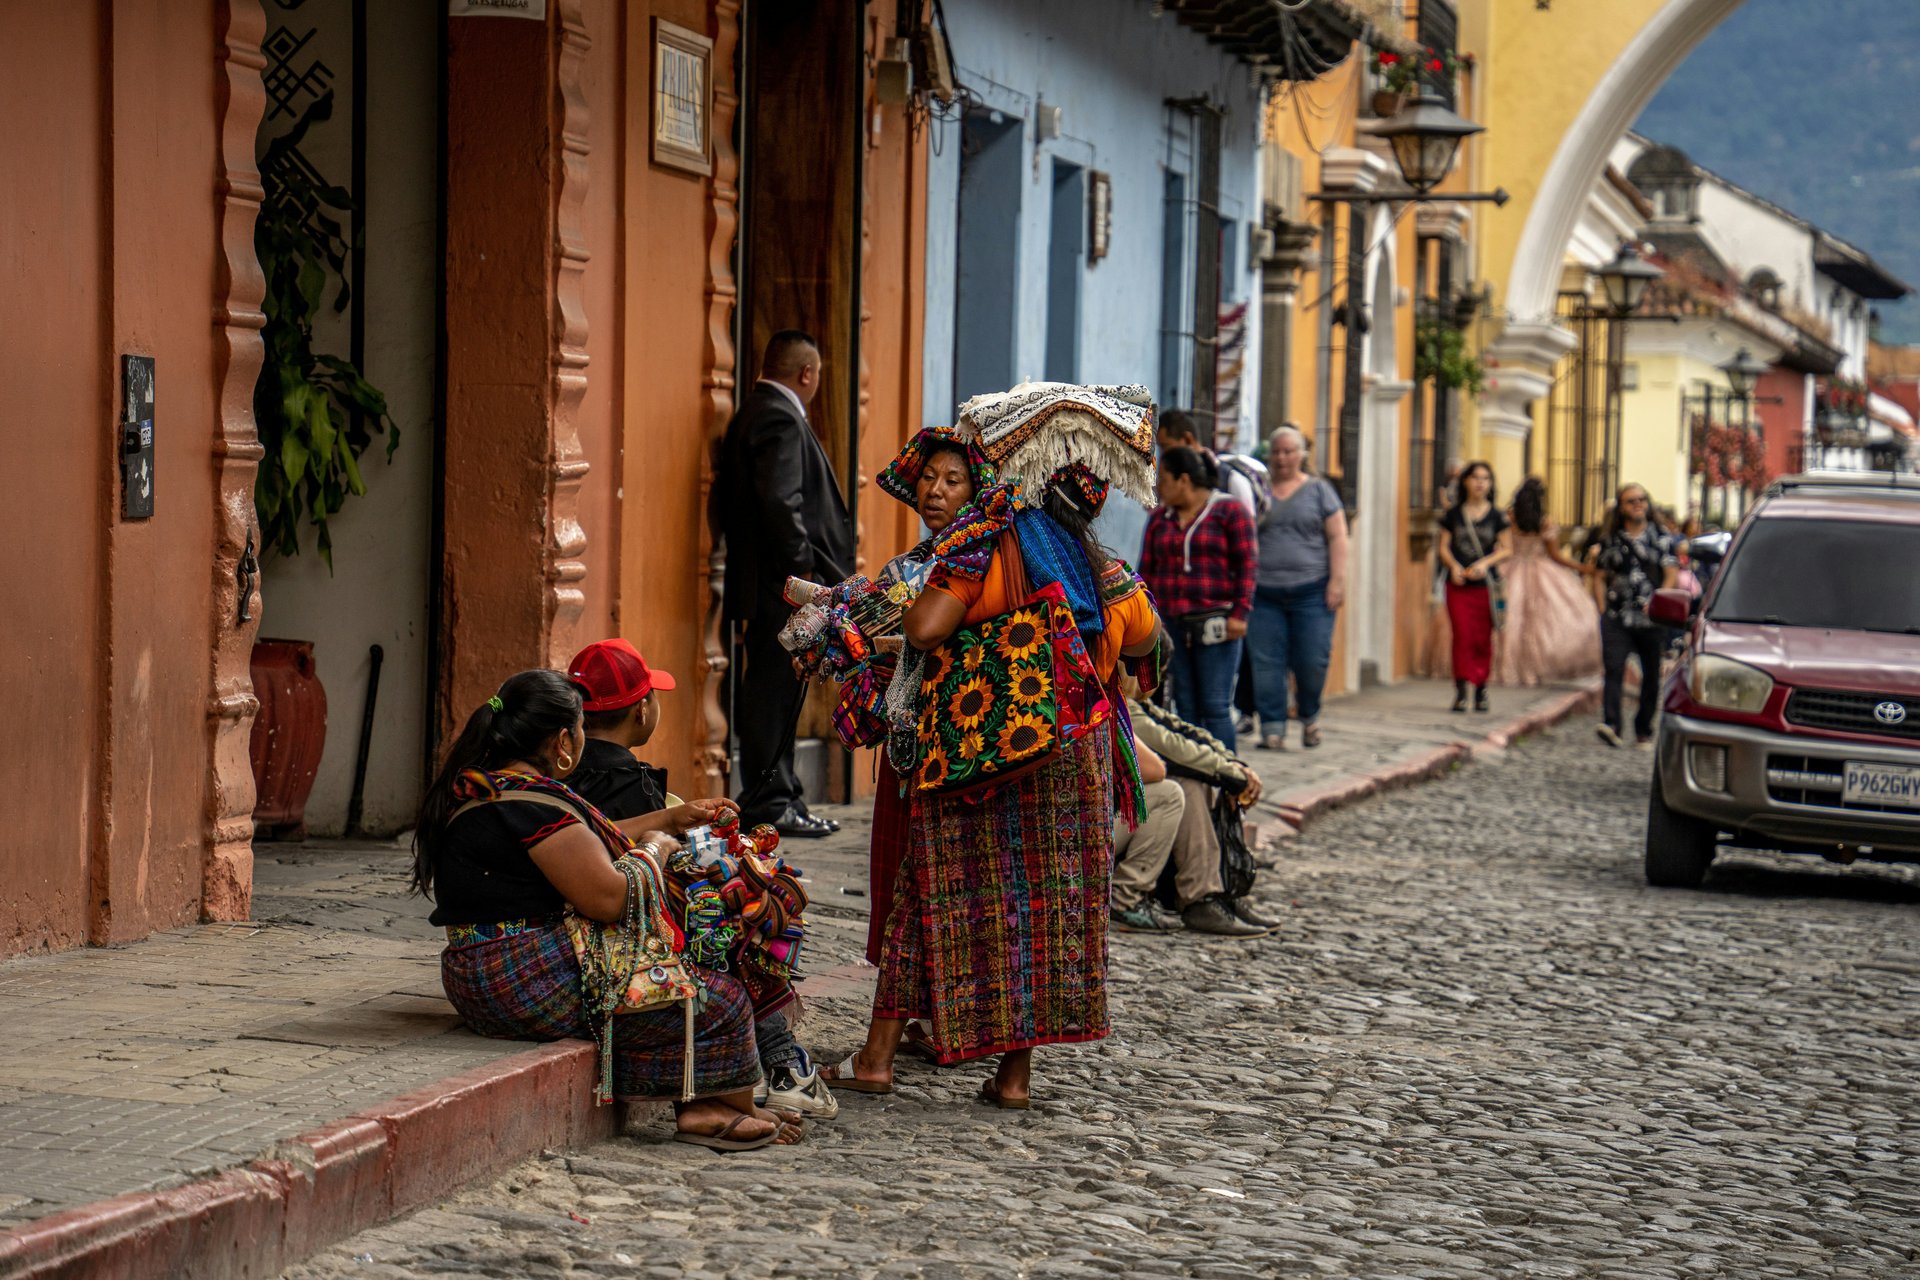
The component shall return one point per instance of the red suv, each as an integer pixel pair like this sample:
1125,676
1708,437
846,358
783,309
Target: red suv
1793,721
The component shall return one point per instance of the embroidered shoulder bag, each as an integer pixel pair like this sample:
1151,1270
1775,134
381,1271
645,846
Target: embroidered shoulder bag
1001,697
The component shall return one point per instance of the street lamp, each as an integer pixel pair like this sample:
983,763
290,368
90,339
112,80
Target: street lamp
1625,280
1743,374
1425,137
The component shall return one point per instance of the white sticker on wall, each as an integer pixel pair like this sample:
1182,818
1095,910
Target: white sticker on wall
497,8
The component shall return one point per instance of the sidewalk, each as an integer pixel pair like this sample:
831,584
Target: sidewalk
241,1094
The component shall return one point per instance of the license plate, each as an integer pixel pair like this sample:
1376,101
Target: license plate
1888,784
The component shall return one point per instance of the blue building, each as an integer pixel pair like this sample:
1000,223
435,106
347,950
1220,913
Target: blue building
1093,193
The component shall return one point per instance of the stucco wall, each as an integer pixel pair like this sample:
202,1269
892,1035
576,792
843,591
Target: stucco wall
107,633
1111,78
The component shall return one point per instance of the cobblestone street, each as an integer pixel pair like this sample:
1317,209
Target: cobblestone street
1479,1046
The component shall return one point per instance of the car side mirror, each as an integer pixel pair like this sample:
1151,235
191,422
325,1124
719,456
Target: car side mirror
1671,607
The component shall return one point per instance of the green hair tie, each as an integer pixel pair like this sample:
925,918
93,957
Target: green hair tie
496,704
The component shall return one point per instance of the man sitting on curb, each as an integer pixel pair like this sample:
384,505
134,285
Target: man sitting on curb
622,709
1178,758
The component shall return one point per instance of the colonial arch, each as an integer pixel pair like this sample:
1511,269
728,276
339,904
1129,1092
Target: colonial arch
1522,357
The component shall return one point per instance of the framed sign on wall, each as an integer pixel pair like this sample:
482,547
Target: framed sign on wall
1099,214
682,98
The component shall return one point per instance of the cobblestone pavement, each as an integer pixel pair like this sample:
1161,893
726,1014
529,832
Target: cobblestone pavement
1480,1045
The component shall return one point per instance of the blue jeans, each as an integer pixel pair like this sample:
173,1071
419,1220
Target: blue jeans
1203,677
1291,631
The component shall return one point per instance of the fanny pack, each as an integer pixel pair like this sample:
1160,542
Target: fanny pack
1206,626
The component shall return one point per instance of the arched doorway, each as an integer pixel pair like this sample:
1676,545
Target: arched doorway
1377,527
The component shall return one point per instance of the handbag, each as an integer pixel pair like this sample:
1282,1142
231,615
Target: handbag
1496,589
1001,697
1236,860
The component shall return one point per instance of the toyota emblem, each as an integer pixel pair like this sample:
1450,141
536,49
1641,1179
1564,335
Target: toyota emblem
1890,712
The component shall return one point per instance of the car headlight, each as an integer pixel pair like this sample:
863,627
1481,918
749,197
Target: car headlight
1727,685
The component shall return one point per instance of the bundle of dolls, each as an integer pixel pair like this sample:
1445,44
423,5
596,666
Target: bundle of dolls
849,633
744,907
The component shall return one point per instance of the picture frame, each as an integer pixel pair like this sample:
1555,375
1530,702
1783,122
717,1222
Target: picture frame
681,94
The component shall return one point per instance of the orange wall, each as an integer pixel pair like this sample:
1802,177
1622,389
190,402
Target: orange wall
107,177
658,358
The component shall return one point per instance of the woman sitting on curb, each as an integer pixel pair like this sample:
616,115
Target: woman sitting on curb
556,921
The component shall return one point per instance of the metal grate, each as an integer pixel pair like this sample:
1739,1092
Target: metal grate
1847,712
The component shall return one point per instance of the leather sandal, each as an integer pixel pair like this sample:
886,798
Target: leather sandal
725,1141
842,1077
991,1095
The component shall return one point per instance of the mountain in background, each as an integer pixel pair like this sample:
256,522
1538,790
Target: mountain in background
1813,105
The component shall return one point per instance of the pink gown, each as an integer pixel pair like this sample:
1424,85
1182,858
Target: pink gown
1553,628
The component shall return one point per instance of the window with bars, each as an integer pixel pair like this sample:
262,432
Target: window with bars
1191,264
1582,463
1439,30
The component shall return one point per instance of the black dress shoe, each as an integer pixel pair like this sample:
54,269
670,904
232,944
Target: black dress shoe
801,826
808,813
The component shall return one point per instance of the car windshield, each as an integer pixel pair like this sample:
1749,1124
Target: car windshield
1851,575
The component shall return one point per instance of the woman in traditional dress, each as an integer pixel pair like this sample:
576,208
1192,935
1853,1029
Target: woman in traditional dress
937,474
555,918
997,935
1550,615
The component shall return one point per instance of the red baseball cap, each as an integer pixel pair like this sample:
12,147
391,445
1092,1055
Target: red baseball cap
611,674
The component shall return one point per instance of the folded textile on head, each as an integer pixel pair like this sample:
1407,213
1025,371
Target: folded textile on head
1037,428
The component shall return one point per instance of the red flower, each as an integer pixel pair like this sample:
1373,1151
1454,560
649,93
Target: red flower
1388,59
1435,65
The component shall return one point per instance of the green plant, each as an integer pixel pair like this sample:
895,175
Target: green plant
1440,353
1401,74
316,413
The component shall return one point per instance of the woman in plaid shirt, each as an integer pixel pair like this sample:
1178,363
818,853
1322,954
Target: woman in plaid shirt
1198,560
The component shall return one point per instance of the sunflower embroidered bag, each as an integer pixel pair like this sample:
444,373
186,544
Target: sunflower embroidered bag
999,698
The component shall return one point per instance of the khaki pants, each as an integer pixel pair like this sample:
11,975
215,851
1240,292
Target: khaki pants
1140,854
1179,824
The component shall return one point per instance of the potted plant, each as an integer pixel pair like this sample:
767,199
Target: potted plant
1398,77
1440,353
316,414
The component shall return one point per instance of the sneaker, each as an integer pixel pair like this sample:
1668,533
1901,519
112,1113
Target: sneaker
1609,735
1143,917
801,1090
1244,726
1213,915
1643,744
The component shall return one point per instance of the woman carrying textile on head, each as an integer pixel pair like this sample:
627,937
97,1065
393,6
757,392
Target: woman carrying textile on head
997,934
937,474
559,924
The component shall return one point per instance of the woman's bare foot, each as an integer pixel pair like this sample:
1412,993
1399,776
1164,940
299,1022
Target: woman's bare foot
1014,1079
707,1117
869,1066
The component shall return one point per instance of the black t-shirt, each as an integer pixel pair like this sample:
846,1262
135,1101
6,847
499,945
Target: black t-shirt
617,784
485,874
1487,528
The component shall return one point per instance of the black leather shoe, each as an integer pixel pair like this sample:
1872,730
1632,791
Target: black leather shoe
808,813
1213,915
801,826
1247,915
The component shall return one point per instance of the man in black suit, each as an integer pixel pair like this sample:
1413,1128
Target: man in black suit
783,514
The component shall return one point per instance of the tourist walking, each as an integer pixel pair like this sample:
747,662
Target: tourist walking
1300,582
1635,555
1550,615
1199,560
997,936
1476,541
783,513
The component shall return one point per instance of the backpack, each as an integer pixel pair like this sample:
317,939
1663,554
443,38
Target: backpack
1254,472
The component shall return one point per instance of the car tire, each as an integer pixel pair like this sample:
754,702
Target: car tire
1680,847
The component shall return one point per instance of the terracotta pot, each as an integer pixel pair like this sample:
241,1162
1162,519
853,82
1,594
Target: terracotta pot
288,734
1388,103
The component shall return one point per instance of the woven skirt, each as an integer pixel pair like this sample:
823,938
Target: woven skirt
526,986
997,936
